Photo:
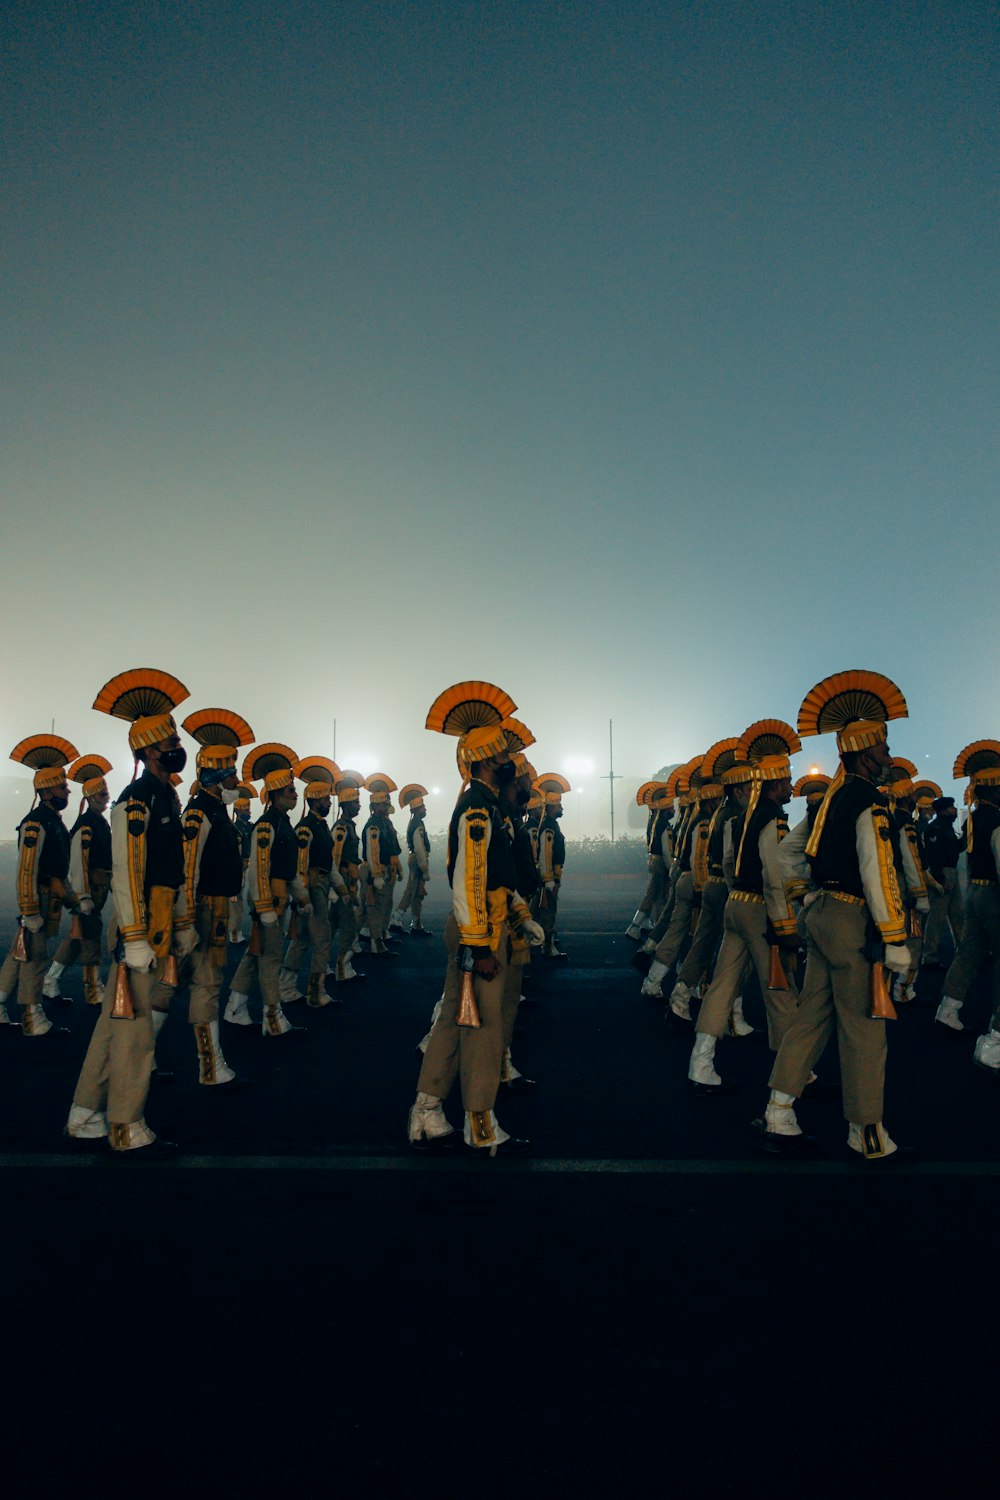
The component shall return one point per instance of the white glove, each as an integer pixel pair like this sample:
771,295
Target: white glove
550,886
304,908
185,941
85,906
809,898
33,924
268,918
534,933
334,897
378,883
923,906
140,956
897,957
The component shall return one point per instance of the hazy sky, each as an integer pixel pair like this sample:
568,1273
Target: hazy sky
641,358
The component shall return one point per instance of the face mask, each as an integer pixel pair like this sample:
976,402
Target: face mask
59,803
523,796
230,795
174,760
506,773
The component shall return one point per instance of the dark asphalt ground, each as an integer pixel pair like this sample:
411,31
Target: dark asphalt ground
648,1301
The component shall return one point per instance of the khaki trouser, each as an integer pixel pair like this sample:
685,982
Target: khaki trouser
414,891
547,908
678,929
264,967
347,928
708,934
208,965
27,976
115,1074
318,934
671,882
980,941
378,907
88,948
837,987
656,889
744,944
518,957
474,1055
947,909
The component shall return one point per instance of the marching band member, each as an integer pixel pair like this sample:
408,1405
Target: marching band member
856,921
43,888
551,858
411,800
315,865
90,877
272,884
213,875
155,926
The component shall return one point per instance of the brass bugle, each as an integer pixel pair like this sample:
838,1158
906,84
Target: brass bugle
882,1006
468,1010
916,926
122,1008
170,974
20,945
253,947
776,979
76,929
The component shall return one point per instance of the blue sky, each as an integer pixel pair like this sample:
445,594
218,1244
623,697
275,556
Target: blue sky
639,358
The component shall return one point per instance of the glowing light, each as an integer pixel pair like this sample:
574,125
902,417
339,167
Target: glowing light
578,764
435,791
814,770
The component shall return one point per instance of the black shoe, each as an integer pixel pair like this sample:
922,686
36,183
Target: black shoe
84,1145
642,961
296,1031
160,1076
786,1145
158,1150
233,1085
437,1143
932,966
901,1154
420,932
520,1085
556,958
510,1147
57,1000
35,1036
710,1088
528,1000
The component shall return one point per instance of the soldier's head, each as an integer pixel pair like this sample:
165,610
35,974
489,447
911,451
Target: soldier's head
98,801
321,805
988,793
945,809
870,764
284,798
165,758
56,796
495,771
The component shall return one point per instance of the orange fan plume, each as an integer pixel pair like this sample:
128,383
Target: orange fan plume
267,758
767,737
140,692
41,750
218,726
469,705
847,697
718,758
88,768
977,756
